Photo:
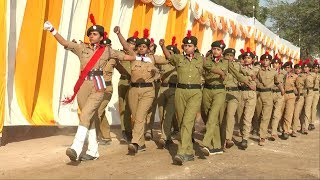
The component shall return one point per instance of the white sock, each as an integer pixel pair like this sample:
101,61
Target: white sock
92,143
79,139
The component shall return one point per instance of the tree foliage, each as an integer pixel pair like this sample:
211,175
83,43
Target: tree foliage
297,20
245,7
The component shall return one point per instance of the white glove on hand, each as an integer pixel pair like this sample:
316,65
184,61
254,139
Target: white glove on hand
47,26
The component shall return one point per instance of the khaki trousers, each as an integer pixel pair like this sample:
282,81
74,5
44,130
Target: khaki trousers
124,110
308,100
249,99
288,111
213,100
89,101
140,101
278,101
187,103
166,110
314,108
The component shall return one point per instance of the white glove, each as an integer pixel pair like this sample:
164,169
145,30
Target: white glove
47,26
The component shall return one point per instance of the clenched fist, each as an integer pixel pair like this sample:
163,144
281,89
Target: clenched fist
48,26
161,42
116,30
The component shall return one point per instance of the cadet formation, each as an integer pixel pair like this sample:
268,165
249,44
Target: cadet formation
248,95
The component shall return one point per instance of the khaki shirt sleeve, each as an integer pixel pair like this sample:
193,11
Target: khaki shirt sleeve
208,65
174,59
75,48
235,72
120,55
160,59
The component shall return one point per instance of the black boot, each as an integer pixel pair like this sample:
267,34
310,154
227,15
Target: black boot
129,136
124,138
244,144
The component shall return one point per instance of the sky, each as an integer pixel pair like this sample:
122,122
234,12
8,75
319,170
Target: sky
268,22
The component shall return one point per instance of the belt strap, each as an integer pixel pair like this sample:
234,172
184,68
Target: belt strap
316,89
232,88
264,90
170,85
245,88
189,86
208,86
141,85
288,92
276,90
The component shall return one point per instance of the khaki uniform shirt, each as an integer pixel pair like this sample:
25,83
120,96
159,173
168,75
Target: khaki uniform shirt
266,78
249,71
223,64
107,61
300,82
146,72
290,82
126,64
310,80
168,73
230,80
317,81
189,72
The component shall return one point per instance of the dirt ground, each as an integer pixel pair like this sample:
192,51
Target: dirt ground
33,156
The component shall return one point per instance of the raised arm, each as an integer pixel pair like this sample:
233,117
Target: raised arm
123,41
165,51
49,27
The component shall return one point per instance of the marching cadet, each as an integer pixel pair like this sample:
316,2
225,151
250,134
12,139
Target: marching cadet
214,94
258,109
315,101
123,89
278,98
232,97
266,79
90,86
166,97
300,83
102,124
141,92
249,96
289,100
157,82
188,93
310,78
238,122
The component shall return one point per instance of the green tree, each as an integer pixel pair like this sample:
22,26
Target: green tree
245,7
299,23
